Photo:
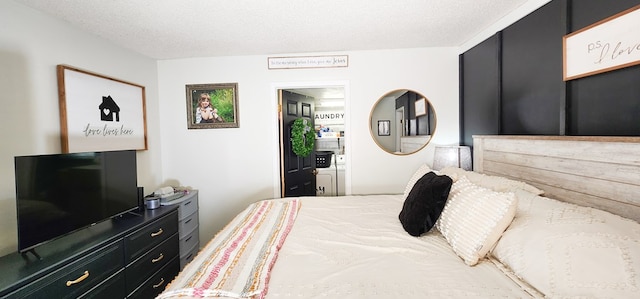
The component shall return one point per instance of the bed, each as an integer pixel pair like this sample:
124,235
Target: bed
539,217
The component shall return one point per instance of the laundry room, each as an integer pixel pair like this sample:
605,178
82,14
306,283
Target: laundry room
330,147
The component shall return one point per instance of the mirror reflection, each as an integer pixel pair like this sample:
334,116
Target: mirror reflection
402,122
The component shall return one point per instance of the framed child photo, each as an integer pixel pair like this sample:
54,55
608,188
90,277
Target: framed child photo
211,106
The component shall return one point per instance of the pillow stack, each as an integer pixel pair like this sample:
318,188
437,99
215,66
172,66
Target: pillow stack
470,214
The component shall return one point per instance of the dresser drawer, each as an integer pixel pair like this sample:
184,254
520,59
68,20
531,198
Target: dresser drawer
187,242
156,284
188,256
188,224
78,277
151,262
114,287
141,241
188,206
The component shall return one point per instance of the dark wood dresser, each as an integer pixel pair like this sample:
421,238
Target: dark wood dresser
132,256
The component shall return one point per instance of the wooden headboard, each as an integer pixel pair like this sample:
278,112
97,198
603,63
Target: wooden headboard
600,172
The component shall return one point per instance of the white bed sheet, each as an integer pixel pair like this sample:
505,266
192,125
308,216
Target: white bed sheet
355,247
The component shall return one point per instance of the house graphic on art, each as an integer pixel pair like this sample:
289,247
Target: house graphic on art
109,109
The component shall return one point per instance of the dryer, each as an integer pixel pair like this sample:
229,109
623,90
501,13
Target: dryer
330,180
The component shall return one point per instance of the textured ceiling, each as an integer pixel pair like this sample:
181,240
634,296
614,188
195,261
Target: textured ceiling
169,29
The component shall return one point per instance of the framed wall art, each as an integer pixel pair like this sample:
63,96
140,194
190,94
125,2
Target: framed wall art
607,45
420,107
211,106
384,128
307,62
100,113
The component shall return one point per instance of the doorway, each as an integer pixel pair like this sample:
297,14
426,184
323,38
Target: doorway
298,169
330,106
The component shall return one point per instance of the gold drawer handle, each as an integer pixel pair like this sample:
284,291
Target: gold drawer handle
81,278
155,286
159,232
159,258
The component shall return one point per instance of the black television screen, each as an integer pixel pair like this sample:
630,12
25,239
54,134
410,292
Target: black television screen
61,193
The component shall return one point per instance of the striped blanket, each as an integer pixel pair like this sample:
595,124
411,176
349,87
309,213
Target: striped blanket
237,262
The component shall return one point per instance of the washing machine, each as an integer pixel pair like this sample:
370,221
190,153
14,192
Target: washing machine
330,180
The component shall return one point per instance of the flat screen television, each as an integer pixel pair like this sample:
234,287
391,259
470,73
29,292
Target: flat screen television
61,193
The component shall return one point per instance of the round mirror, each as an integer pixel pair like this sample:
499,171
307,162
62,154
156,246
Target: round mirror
402,122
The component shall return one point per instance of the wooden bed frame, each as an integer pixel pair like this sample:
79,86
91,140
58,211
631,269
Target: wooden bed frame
600,172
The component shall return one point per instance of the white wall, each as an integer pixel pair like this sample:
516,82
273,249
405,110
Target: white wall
31,45
234,167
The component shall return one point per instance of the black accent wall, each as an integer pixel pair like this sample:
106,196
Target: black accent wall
480,89
512,83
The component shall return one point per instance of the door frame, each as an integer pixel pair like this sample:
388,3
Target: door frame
276,130
399,128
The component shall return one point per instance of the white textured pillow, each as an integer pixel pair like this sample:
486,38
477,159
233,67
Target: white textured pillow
569,251
422,170
474,218
495,183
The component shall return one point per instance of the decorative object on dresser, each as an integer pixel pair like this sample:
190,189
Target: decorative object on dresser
131,256
188,225
152,202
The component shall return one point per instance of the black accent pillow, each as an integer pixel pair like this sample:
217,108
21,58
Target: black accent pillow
425,203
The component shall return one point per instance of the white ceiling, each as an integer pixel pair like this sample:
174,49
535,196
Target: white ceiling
170,29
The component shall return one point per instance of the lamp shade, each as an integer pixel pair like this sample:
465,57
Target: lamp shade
452,156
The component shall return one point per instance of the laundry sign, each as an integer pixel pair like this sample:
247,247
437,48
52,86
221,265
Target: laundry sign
329,117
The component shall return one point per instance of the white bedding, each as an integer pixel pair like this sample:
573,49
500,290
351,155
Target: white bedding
355,247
